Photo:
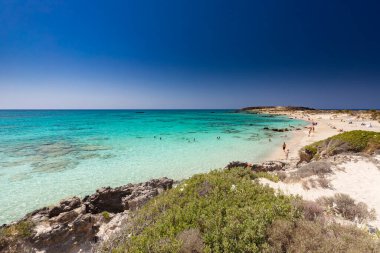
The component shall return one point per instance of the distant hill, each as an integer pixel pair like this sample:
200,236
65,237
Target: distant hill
277,108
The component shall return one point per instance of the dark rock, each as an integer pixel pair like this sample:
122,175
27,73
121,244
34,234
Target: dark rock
72,225
118,199
107,199
277,129
236,164
66,217
269,166
64,206
142,193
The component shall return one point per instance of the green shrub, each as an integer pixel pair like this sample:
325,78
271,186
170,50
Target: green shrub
269,176
312,149
359,140
225,211
106,215
352,141
230,212
21,229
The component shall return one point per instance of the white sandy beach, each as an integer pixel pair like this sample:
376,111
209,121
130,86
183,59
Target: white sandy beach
324,129
359,176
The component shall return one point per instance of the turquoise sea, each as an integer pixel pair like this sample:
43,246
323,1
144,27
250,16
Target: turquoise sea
47,155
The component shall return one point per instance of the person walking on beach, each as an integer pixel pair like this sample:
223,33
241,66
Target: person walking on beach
283,147
287,154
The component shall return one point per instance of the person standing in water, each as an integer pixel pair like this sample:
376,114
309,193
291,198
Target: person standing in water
283,147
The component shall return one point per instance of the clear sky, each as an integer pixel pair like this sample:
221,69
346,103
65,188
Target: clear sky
189,53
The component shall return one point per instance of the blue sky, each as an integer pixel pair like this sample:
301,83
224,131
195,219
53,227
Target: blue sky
189,54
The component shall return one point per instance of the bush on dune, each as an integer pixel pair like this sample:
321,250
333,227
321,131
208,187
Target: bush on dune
226,211
230,212
347,207
352,141
318,237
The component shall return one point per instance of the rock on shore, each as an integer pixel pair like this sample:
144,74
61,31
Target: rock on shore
74,225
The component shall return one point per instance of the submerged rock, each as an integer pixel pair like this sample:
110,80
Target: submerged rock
277,129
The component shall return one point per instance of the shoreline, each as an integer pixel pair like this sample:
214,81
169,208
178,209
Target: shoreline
329,123
119,150
295,140
99,217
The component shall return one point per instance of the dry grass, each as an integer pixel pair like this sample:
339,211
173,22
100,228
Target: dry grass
318,237
319,168
345,206
313,183
311,210
191,241
305,185
324,182
282,175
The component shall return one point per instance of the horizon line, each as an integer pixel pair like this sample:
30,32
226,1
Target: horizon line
153,109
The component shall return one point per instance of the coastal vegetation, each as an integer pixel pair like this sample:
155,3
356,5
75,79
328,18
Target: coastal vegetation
228,211
21,229
106,215
375,115
15,232
344,205
352,141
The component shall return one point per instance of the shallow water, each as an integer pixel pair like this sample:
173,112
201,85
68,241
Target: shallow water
48,155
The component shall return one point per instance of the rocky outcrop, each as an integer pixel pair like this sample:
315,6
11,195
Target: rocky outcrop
277,108
65,206
269,166
237,164
74,225
259,167
277,129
